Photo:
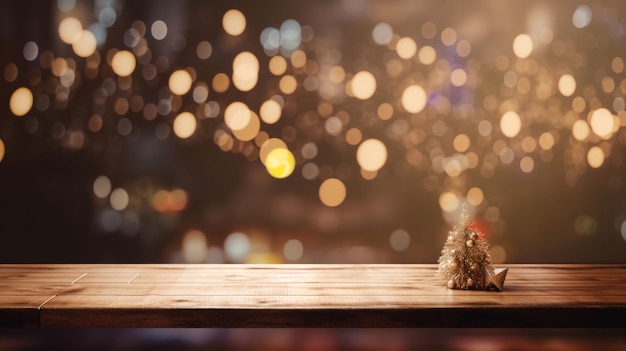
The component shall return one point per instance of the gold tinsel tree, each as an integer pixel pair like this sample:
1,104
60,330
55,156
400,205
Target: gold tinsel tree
465,262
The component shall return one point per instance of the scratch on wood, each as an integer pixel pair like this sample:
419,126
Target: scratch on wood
79,278
133,278
45,302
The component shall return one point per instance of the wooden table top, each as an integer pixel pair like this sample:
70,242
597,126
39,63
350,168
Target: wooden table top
368,295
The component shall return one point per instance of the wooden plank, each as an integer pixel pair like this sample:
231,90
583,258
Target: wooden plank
302,289
525,268
108,277
42,277
21,310
313,296
298,301
155,277
33,289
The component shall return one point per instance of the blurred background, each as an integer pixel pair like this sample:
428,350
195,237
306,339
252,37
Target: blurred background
310,132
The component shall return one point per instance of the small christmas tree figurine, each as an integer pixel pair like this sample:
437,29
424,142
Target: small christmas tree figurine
465,262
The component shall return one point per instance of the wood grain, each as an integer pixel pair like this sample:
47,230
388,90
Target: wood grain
305,296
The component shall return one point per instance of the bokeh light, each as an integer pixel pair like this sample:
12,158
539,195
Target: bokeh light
354,136
2,150
475,196
70,29
461,142
234,22
580,130
523,45
382,33
169,201
448,36
194,247
84,45
278,65
333,126
406,48
102,187
268,145
309,150
332,192
617,64
298,59
310,171
237,115
184,125
288,84
399,240
10,72
293,250
66,5
427,55
546,141
107,16
449,201
270,39
595,157
123,63
119,199
414,99
363,85
527,164
567,85
458,77
237,247
245,71
582,16
30,51
384,111
280,163
158,30
270,111
21,101
220,83
463,48
180,82
200,93
251,130
371,155
429,30
204,50
601,122
510,124
290,35
337,74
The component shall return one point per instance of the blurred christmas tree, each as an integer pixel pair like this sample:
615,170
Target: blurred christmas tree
465,262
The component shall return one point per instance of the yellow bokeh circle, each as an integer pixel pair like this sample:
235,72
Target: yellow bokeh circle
280,163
